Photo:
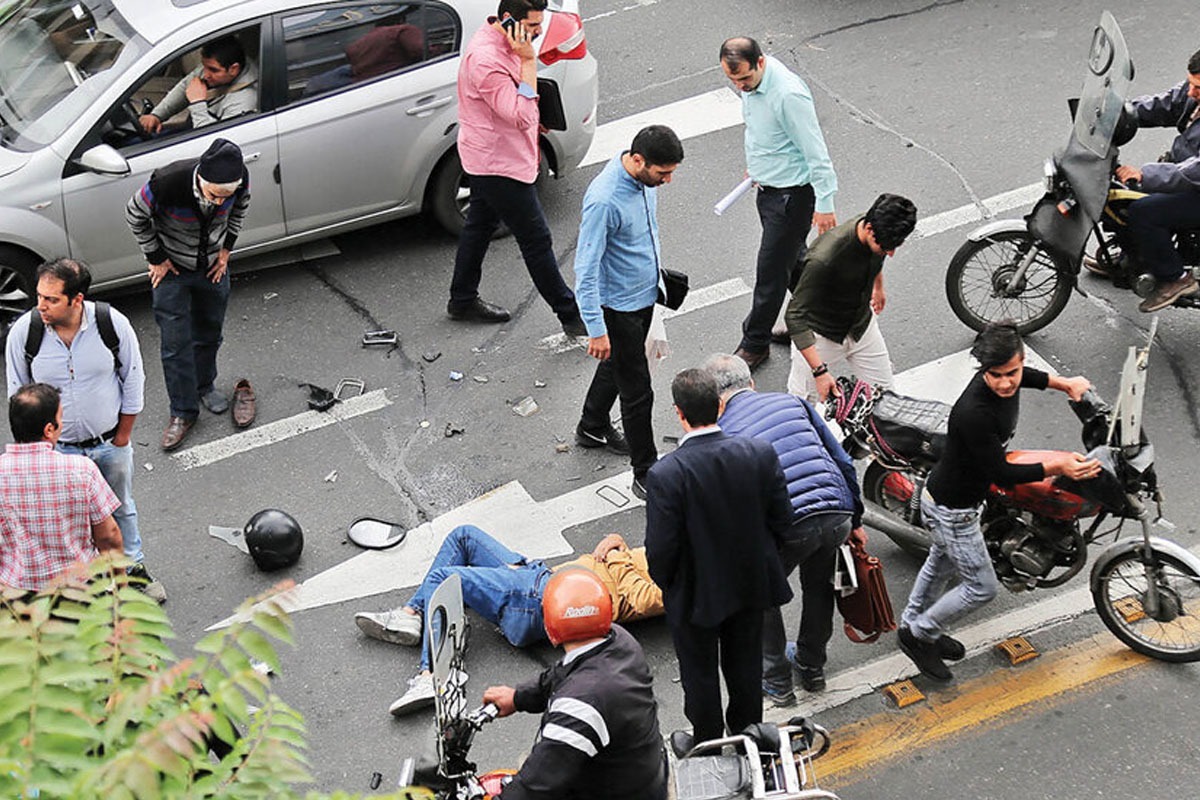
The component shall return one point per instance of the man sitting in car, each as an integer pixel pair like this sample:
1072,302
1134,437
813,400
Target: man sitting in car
224,86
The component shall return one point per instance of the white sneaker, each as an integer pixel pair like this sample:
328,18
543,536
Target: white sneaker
395,626
419,695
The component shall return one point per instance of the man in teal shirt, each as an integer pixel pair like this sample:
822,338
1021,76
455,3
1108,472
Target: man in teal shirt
787,159
616,283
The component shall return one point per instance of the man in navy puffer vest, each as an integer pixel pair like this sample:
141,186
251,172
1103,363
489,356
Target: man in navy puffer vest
826,507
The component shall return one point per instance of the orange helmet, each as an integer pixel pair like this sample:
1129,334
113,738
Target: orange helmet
576,606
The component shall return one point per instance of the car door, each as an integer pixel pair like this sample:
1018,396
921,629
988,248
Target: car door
94,204
370,100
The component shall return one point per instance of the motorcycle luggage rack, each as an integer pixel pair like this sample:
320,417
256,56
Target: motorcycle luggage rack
790,770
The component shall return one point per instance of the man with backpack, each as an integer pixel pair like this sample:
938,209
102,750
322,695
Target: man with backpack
90,353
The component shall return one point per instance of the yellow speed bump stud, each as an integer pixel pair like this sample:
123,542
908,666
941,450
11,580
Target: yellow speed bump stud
1018,649
903,693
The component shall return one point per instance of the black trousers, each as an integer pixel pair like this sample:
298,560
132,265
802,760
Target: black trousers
812,547
494,200
625,375
786,216
735,647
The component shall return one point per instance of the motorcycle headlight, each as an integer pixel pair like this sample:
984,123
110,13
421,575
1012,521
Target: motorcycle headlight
1049,174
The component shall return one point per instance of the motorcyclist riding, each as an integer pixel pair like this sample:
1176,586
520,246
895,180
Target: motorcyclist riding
1173,190
599,736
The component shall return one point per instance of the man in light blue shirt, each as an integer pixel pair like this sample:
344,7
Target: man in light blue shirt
100,401
787,159
617,265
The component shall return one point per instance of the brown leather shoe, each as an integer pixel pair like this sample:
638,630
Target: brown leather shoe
753,360
176,432
243,403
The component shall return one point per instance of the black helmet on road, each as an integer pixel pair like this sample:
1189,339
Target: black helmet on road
274,539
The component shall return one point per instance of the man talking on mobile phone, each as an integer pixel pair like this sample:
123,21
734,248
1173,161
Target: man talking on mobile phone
498,123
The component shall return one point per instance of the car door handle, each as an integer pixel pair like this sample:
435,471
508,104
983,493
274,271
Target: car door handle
251,157
425,108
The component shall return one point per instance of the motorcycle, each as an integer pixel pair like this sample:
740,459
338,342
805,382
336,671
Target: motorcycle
1024,269
764,761
1145,588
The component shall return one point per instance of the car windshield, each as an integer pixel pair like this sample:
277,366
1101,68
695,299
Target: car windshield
55,59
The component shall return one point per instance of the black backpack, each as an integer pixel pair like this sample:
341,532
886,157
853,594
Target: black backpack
108,335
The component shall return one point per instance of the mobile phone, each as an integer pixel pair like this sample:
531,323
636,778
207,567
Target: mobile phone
509,24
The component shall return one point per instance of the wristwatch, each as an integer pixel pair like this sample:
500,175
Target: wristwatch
820,369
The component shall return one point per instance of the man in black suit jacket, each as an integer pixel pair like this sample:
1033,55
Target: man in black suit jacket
716,512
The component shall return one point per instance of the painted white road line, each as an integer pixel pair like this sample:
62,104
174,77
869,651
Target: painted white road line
709,296
968,214
509,513
697,299
614,12
944,378
272,432
854,683
690,117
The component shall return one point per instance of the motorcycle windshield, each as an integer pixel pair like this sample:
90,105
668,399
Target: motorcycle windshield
1087,161
1109,75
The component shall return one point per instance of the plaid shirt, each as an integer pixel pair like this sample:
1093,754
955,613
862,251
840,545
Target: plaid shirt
49,502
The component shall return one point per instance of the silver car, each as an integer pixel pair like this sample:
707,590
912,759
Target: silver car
354,121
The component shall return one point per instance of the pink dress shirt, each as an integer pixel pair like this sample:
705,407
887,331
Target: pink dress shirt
497,113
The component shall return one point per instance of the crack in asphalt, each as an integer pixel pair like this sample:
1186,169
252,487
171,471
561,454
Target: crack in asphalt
357,307
874,121
884,18
1176,365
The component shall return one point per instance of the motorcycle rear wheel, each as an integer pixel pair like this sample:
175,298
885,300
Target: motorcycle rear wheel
891,490
980,268
1119,593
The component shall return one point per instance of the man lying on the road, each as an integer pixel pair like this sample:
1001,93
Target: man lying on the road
505,588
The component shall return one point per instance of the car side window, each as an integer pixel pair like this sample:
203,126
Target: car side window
335,47
213,82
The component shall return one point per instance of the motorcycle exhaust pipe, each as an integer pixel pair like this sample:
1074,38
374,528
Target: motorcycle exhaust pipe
899,531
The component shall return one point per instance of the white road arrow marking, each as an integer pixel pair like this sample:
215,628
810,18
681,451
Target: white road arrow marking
509,513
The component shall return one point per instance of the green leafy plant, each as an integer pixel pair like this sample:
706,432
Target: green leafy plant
93,703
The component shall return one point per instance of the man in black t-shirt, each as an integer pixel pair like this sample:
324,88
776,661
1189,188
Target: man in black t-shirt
981,424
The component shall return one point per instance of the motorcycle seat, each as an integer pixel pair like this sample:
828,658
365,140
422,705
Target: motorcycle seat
909,427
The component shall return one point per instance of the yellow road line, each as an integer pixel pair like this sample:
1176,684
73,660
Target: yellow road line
870,742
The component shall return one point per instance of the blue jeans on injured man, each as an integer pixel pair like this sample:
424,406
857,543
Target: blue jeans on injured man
499,584
958,554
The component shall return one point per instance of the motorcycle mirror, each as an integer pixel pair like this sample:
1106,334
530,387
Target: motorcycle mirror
375,534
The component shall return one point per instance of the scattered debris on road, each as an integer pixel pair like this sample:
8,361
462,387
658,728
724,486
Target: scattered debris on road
431,356
455,375
331,477
452,429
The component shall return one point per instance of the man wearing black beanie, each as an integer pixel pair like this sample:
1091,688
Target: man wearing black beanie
186,220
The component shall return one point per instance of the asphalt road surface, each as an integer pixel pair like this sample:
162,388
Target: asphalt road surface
950,103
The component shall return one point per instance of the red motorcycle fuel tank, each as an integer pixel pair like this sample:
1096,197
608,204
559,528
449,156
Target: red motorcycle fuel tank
1042,497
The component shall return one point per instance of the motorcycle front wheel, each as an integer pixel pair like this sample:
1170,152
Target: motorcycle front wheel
978,277
1120,592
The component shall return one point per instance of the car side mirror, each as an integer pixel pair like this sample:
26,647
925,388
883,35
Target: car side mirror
104,159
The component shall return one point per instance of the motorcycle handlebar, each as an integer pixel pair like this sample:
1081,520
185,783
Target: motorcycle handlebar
484,714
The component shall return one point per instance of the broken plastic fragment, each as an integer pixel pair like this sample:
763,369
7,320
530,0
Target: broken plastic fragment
331,477
455,375
480,378
231,536
525,407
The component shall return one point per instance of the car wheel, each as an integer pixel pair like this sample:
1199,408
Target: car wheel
449,194
17,289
